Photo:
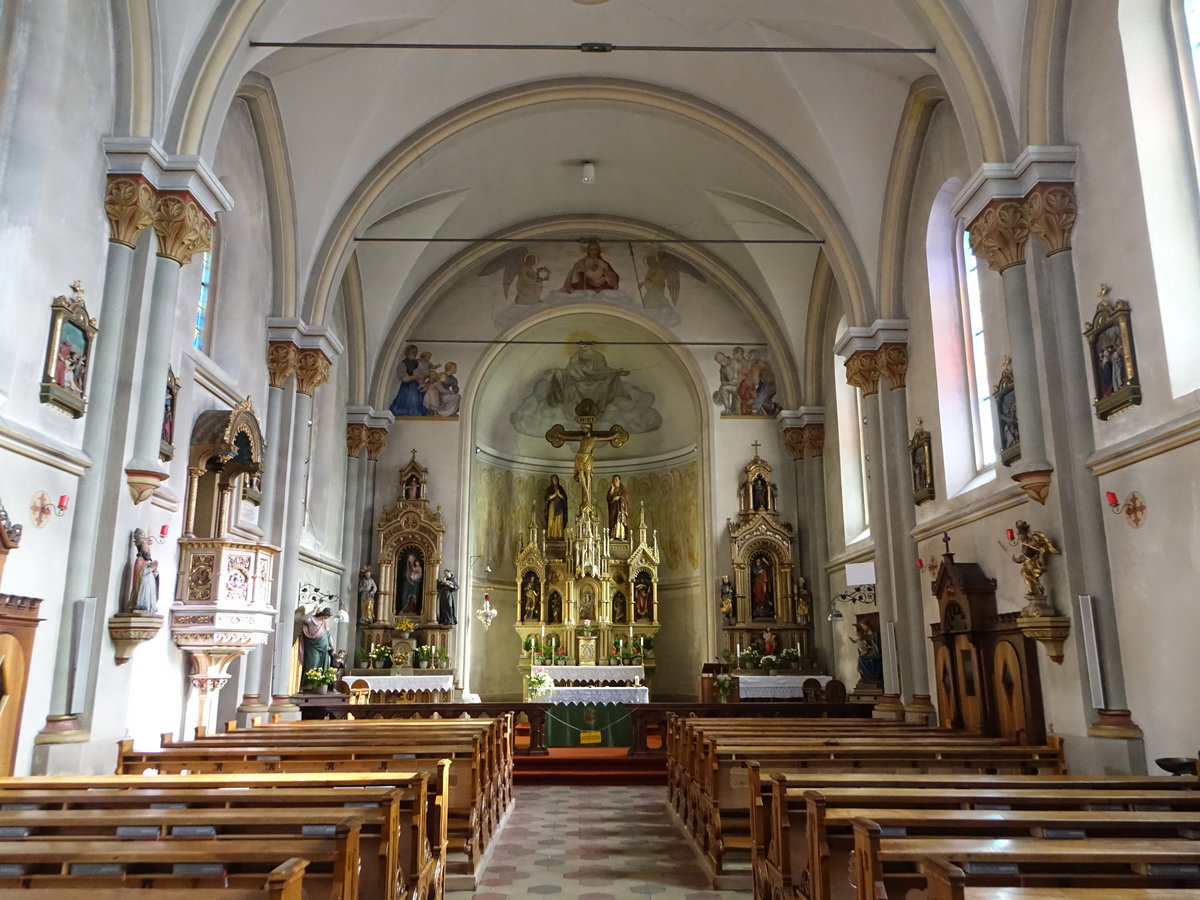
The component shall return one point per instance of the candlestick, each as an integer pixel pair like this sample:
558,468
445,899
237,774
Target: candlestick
631,631
543,629
737,653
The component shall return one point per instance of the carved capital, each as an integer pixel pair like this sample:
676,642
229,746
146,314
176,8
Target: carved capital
376,441
1050,209
815,439
356,438
999,234
793,441
281,361
183,227
862,371
129,203
893,359
312,370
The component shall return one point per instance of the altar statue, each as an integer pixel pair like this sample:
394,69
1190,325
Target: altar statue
585,413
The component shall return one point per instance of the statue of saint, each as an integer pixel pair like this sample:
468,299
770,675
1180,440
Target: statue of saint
803,602
556,509
870,658
143,591
1032,558
318,644
729,616
618,510
367,588
447,587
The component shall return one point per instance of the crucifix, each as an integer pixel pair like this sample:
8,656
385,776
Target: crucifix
585,414
756,445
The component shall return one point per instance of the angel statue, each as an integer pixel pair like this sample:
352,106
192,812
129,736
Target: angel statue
1032,558
662,278
521,266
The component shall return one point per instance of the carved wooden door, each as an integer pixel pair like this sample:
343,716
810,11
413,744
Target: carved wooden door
970,683
1008,688
13,671
946,693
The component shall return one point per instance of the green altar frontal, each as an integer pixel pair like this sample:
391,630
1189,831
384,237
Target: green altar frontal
565,722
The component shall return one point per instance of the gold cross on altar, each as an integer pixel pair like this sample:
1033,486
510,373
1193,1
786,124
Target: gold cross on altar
756,445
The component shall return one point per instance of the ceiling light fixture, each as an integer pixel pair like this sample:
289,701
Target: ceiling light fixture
589,173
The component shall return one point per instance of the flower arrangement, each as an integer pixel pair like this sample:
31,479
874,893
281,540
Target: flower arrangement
405,625
749,659
540,684
560,656
790,657
381,655
320,676
635,654
400,659
424,653
723,685
529,644
614,653
770,661
588,628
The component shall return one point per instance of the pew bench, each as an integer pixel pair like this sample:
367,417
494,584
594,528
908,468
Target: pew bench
284,882
947,881
887,867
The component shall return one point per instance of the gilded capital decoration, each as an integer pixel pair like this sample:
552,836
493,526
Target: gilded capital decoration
376,441
862,371
183,227
815,434
893,359
356,438
129,203
312,370
281,361
793,441
999,234
1050,209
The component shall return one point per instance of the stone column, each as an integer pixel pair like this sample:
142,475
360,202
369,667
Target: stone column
377,438
1051,211
356,443
184,229
129,203
999,234
902,520
862,372
806,443
281,365
312,370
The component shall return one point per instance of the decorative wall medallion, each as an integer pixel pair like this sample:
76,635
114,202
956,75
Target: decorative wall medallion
1110,351
68,354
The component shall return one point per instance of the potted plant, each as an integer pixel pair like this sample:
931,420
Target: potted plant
540,684
405,627
635,656
789,658
317,681
648,647
529,644
614,657
770,663
361,657
381,656
424,655
560,657
587,629
443,659
723,686
749,659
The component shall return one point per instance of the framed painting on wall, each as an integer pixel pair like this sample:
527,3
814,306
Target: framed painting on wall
1005,395
920,452
68,354
1110,352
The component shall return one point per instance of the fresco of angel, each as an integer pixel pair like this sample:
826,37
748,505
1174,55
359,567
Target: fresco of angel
662,279
520,265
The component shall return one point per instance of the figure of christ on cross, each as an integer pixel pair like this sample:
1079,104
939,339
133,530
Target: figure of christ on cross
585,414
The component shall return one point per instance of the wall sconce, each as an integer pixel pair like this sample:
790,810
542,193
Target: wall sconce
161,537
1134,508
588,174
471,564
310,593
863,593
64,503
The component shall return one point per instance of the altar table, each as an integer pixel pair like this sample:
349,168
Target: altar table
775,687
600,695
401,688
625,675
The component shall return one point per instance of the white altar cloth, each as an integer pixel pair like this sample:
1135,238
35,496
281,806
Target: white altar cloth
600,695
775,687
606,674
405,682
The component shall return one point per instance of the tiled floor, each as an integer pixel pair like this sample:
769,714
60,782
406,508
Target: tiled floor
593,843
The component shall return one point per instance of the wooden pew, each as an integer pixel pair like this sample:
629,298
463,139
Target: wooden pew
947,881
383,873
1089,862
190,862
790,851
284,882
419,849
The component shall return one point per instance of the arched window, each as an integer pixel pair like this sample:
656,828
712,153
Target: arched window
203,325
852,451
1159,43
960,356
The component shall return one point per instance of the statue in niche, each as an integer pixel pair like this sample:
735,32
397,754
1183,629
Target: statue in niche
555,616
587,604
641,599
531,598
762,588
758,492
318,643
620,613
618,510
412,580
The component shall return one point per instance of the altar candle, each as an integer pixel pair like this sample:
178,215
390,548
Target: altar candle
630,631
737,653
543,629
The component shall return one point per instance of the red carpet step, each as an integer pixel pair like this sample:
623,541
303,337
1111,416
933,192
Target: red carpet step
589,766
